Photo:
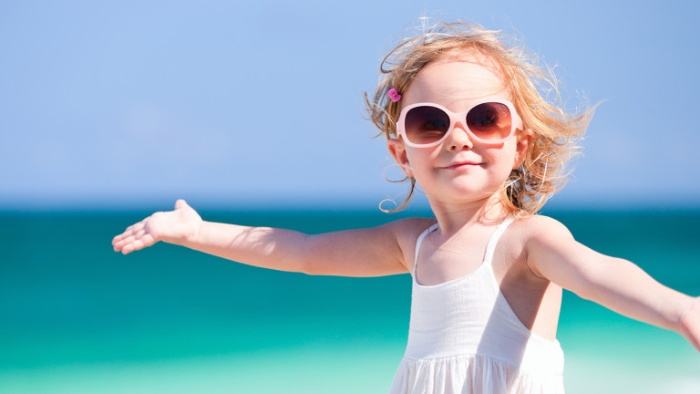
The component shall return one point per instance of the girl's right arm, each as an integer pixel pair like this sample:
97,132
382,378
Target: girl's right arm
363,252
618,284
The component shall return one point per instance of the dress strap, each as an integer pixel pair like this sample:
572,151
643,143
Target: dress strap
493,241
419,241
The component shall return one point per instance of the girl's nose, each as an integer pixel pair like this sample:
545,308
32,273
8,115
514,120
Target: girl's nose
459,139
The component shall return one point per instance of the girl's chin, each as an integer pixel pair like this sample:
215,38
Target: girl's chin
463,197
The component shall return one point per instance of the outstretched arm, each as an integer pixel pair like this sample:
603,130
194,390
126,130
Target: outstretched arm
364,252
614,283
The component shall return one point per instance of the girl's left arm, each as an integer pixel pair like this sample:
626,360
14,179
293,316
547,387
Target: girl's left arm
553,253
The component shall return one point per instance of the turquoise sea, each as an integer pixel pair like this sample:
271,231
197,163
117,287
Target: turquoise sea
76,317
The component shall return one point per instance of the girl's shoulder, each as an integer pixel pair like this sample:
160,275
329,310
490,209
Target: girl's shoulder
534,230
406,232
539,228
410,228
537,221
544,242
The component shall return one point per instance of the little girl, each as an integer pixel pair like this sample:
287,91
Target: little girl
464,119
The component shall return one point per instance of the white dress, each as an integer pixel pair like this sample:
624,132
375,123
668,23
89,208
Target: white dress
465,338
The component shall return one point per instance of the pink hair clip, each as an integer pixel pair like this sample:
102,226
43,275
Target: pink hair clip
393,95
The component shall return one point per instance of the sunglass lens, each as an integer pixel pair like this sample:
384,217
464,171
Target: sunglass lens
426,124
490,121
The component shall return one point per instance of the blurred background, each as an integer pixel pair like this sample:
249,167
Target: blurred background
252,111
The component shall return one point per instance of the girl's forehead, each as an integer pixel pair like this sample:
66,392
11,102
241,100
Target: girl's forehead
455,78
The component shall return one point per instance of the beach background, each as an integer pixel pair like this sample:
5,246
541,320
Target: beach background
253,112
79,318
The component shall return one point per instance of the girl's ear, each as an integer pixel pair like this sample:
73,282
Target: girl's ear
398,152
522,145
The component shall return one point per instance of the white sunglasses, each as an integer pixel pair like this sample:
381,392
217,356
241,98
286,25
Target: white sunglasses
424,125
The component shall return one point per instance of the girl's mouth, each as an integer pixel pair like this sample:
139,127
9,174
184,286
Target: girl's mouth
462,164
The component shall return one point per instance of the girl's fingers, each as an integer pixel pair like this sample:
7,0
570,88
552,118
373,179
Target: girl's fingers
138,243
126,233
131,235
120,242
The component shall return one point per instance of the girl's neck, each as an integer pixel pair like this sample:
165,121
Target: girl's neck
452,218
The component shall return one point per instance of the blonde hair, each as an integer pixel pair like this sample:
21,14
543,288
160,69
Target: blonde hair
555,132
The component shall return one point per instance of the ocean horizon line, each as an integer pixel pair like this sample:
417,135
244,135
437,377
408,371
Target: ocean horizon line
219,205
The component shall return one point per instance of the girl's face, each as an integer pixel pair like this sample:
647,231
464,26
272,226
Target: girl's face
460,170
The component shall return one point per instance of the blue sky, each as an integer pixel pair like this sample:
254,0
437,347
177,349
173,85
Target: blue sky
125,103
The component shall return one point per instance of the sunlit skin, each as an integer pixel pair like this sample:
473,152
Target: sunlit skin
536,257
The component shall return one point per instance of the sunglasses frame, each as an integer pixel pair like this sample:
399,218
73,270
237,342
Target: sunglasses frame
460,117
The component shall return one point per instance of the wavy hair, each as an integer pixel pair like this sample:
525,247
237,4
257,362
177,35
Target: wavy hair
556,133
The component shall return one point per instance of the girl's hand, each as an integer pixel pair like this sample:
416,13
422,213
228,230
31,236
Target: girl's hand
177,226
689,323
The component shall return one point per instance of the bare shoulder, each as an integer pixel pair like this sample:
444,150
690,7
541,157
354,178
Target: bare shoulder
537,234
541,229
406,232
550,248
